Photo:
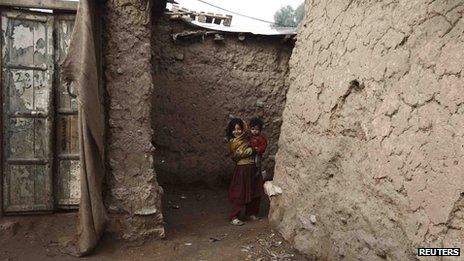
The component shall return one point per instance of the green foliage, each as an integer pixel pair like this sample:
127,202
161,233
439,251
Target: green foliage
285,16
299,13
288,17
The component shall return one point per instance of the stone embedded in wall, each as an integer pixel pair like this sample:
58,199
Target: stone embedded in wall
380,167
133,197
195,95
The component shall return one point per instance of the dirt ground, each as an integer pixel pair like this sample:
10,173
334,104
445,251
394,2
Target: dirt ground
196,225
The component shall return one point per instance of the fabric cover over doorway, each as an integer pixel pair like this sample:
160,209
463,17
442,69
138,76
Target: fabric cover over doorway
81,68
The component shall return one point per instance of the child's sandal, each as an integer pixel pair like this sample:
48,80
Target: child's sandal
254,218
236,222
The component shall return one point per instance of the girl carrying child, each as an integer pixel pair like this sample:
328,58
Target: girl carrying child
246,188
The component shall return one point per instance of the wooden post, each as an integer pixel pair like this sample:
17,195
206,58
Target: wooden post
43,4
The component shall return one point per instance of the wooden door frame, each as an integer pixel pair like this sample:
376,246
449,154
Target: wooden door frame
59,7
56,5
48,19
58,157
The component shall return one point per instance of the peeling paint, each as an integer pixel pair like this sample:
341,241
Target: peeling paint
22,37
26,88
68,174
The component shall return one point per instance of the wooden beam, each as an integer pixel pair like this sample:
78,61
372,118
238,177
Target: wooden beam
41,4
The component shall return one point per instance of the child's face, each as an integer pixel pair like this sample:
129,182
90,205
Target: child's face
255,130
237,131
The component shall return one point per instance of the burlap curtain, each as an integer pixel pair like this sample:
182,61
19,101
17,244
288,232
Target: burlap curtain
81,68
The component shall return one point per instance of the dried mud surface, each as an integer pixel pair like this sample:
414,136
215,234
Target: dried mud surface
372,135
133,195
199,83
197,230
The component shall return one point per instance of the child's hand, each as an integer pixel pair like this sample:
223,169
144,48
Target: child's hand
236,155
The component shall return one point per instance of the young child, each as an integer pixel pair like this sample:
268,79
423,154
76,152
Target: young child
243,190
258,142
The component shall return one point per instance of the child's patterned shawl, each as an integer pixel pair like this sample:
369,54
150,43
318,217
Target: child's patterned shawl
240,149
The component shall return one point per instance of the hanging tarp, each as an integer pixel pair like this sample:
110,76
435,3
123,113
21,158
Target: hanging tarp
81,68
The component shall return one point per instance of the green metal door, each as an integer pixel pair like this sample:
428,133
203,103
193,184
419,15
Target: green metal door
27,114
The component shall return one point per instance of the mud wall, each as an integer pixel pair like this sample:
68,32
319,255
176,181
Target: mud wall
133,198
371,148
198,84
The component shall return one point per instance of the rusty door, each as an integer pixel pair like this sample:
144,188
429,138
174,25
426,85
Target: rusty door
27,80
67,183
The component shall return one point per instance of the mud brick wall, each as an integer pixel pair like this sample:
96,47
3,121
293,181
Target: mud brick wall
133,197
198,84
373,130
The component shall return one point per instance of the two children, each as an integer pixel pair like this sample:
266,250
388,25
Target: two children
246,149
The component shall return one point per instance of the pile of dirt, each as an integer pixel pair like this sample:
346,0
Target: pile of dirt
37,237
196,224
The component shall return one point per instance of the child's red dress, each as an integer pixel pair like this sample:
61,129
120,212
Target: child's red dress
258,143
246,188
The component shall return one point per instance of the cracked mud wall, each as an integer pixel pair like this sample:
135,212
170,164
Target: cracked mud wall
373,130
133,196
198,84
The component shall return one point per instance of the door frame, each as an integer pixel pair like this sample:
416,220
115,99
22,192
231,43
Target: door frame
58,156
58,7
48,205
55,5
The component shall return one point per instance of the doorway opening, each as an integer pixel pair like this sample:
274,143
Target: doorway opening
202,79
40,154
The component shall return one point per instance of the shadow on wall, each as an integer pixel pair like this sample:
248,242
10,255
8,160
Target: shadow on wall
199,83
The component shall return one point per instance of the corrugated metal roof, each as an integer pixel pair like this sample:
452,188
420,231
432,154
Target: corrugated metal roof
257,28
